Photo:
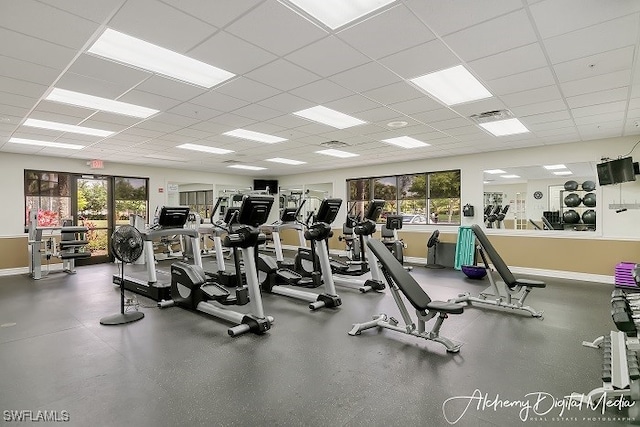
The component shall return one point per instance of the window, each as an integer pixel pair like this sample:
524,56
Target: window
130,198
444,197
49,193
423,198
198,201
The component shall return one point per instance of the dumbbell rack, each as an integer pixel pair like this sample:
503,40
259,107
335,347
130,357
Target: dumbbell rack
620,368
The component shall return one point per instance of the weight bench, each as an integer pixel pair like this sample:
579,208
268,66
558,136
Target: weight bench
400,281
516,290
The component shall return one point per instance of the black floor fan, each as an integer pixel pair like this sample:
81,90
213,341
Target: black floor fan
127,246
432,244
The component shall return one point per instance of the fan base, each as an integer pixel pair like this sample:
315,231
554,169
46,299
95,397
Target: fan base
121,319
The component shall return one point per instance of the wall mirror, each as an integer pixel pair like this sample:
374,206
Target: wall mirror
547,197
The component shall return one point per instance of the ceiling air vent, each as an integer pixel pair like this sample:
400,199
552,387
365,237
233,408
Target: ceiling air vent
492,116
334,144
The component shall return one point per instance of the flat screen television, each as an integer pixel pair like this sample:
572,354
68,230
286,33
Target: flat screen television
262,184
616,171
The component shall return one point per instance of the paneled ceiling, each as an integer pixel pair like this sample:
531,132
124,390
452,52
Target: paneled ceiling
567,69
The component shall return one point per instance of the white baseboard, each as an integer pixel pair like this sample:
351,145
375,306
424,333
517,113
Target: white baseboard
25,270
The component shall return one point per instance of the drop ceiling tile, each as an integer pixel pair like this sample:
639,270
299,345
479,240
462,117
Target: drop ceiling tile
218,101
218,14
117,119
159,125
93,10
600,119
541,126
282,75
67,110
21,87
546,117
314,57
421,59
196,112
19,101
352,104
568,132
149,100
617,94
109,71
286,103
322,91
435,115
365,77
289,121
166,29
46,23
383,114
481,106
597,83
539,108
394,93
257,112
510,62
533,96
247,90
233,121
490,37
558,17
30,72
600,109
82,84
170,88
231,53
444,125
30,49
527,80
590,66
448,17
257,27
367,37
417,105
175,119
596,39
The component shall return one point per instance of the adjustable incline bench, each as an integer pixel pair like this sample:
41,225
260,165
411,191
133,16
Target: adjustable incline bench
517,290
400,280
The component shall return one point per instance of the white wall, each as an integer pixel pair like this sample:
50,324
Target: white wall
12,192
610,225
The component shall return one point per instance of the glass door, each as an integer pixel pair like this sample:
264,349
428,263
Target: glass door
93,209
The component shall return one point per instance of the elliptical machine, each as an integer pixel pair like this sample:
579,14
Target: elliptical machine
190,288
276,279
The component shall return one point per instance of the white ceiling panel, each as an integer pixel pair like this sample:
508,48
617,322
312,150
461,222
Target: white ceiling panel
394,93
510,62
218,13
546,117
367,37
470,108
522,81
448,17
594,65
322,91
196,112
417,105
539,108
247,90
117,119
597,83
257,112
533,96
27,71
37,51
276,28
558,17
286,103
314,57
169,88
66,110
46,23
21,87
593,40
90,86
352,104
282,75
166,29
421,59
489,38
109,71
600,109
600,119
233,121
94,10
230,53
149,100
218,101
365,77
617,94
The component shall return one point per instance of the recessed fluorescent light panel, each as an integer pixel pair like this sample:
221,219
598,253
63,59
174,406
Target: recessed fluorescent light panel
452,86
563,173
329,117
286,161
204,148
42,124
254,136
554,167
336,13
509,176
337,153
406,142
247,167
78,99
495,171
46,144
129,50
505,127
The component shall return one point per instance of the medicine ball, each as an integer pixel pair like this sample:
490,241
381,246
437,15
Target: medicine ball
571,185
589,216
572,200
588,186
571,217
589,200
